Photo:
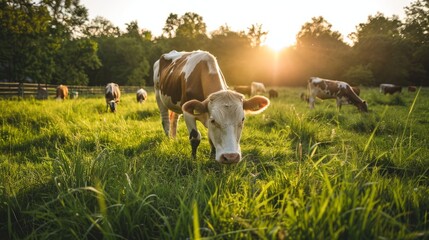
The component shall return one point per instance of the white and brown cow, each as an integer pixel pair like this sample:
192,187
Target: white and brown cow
192,84
62,92
387,88
113,95
257,88
141,95
332,89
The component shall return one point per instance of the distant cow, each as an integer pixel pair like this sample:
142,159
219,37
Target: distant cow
141,95
42,93
192,84
257,88
332,89
246,90
62,92
113,95
273,93
386,88
412,88
304,96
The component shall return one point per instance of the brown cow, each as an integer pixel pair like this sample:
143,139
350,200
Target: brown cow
412,88
62,92
192,84
328,89
245,90
113,95
387,88
273,93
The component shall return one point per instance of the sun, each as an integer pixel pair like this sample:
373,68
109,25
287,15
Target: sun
277,42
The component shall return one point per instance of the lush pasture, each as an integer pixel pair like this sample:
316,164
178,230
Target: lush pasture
70,170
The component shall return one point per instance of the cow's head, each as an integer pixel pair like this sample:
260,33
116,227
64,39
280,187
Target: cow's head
112,105
225,117
363,106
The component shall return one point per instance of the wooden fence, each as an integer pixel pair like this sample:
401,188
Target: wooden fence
45,91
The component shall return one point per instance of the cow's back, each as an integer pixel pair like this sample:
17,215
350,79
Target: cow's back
183,76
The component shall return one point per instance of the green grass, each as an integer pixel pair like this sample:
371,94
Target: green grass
71,170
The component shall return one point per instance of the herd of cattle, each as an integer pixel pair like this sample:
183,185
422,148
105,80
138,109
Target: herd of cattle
192,84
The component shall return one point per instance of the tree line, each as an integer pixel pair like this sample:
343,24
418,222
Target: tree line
54,42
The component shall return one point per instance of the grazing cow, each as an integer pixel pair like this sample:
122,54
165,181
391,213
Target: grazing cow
62,92
328,89
273,93
412,88
42,93
113,95
141,95
257,88
245,90
386,88
192,84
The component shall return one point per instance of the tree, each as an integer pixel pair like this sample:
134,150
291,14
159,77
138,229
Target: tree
233,51
185,33
416,31
73,59
25,45
101,27
320,50
256,35
380,46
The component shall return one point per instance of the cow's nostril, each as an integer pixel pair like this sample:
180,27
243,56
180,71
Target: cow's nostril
230,157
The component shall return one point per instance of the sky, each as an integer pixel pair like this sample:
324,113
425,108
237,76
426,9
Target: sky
281,19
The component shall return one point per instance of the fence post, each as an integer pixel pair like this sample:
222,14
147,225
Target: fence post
21,90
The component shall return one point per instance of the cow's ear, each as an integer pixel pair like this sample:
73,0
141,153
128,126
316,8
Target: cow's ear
194,107
256,104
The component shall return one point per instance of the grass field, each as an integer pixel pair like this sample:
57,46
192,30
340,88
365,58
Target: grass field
70,170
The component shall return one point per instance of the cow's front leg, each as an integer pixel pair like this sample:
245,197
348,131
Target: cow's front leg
212,149
194,134
311,101
339,103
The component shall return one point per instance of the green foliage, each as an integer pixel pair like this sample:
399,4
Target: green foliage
71,170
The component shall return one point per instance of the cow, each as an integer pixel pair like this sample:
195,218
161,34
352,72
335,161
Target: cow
141,95
387,88
42,93
329,89
245,90
412,88
62,92
273,93
113,95
304,96
191,84
256,88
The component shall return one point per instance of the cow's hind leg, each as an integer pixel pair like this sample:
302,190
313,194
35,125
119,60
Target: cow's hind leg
174,118
163,110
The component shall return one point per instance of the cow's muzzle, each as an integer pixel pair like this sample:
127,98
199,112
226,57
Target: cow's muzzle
228,158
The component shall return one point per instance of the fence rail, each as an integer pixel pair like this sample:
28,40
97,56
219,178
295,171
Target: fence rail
44,91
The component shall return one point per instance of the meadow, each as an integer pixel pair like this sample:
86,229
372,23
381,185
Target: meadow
71,170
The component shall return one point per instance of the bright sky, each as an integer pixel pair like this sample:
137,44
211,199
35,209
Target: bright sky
282,19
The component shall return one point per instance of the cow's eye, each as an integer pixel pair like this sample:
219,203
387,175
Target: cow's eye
212,121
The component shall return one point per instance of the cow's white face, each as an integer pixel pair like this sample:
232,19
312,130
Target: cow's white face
225,123
226,111
112,105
